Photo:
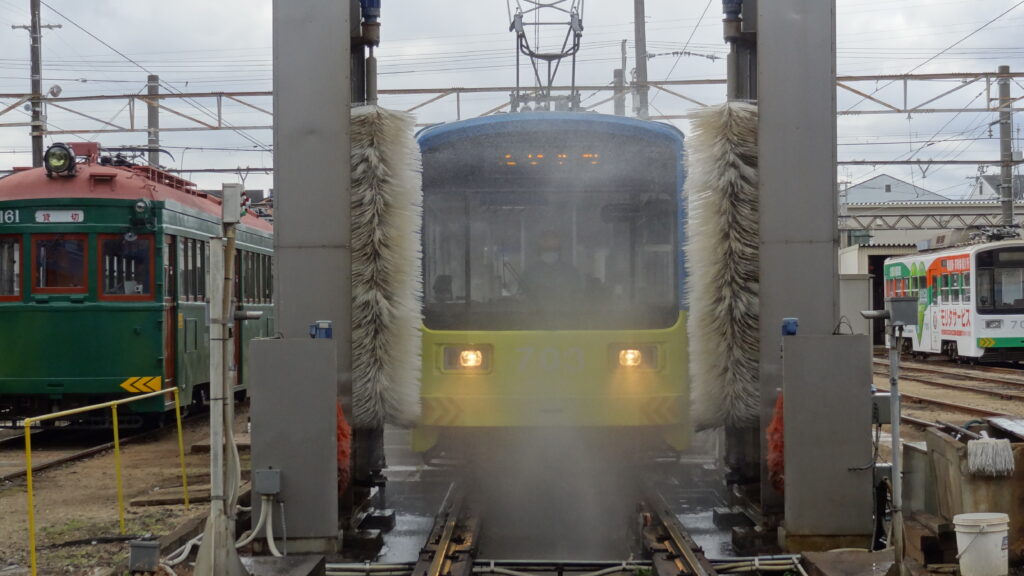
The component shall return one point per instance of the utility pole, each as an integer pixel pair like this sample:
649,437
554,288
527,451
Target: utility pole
619,80
36,32
1005,148
153,122
640,34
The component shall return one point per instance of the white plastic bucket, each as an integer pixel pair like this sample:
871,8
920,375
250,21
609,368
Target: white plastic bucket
982,541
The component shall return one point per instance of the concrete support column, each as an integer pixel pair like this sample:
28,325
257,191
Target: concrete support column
296,380
797,145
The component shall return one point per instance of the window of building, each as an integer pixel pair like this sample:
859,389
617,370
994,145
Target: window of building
58,263
10,267
126,267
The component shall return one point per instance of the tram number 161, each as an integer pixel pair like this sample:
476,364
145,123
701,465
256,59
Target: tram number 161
10,217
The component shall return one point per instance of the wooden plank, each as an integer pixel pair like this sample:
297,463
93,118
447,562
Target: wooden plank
1013,426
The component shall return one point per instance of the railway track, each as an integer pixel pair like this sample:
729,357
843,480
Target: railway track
1010,377
452,548
45,456
977,383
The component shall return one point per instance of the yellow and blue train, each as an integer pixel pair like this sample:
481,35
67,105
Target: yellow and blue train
553,279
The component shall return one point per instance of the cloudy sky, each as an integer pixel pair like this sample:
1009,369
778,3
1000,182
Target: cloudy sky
109,46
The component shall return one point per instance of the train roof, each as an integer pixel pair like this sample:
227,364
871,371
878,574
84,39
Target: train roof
93,180
540,122
960,249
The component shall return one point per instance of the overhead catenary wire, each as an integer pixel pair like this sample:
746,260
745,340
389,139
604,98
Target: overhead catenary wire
144,69
683,51
943,51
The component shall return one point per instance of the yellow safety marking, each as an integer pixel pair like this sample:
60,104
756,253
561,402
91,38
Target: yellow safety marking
140,384
661,411
181,321
441,412
986,342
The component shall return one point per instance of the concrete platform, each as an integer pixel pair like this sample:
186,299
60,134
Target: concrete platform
853,563
286,566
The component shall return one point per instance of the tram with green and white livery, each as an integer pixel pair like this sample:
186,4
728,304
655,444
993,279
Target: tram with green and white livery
970,300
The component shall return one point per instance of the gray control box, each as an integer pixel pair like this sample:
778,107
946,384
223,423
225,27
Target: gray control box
143,556
881,408
266,482
902,310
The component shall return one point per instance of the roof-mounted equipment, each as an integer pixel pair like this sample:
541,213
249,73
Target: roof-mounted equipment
59,159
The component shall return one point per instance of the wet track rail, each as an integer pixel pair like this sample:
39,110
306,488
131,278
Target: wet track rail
452,547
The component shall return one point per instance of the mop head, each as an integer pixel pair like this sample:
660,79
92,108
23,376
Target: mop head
386,285
990,457
722,257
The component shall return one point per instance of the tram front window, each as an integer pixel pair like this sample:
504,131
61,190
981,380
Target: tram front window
59,263
1001,281
544,260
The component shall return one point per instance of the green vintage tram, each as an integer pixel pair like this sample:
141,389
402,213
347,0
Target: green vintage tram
104,286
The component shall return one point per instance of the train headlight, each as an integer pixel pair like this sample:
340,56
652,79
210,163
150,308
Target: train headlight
628,357
59,159
993,324
472,358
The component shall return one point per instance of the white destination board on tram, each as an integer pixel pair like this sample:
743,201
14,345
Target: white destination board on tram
60,216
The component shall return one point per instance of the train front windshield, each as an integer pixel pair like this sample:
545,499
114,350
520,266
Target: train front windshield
551,234
1001,281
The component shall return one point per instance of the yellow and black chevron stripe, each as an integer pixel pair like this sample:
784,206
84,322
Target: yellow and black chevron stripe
142,384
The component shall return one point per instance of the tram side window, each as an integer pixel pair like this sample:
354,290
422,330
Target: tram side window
202,249
268,278
186,269
985,289
954,289
170,256
965,285
58,263
936,281
10,266
127,266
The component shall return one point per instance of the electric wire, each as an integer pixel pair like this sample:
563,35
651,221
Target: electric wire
685,45
943,51
144,69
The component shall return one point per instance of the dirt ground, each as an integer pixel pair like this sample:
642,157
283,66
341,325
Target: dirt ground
76,505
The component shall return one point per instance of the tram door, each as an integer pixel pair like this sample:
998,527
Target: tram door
170,311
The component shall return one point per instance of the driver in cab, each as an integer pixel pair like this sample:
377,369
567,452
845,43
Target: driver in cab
549,278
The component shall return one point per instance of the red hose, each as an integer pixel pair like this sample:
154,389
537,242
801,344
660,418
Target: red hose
344,451
777,448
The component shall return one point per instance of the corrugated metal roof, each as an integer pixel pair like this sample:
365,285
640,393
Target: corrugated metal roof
887,189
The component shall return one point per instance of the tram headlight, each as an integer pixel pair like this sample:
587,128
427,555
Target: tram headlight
472,358
59,159
629,357
993,324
